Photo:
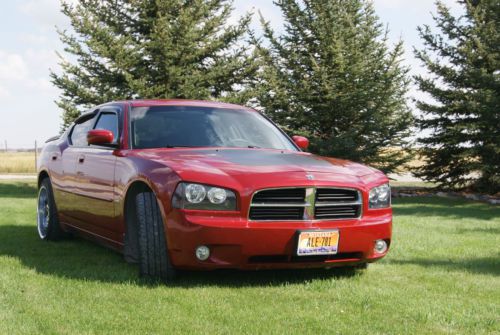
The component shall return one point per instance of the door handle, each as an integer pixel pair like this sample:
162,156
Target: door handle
81,159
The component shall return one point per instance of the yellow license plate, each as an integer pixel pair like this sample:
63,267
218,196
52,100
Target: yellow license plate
318,243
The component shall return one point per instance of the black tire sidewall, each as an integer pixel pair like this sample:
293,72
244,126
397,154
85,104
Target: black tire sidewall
54,231
154,259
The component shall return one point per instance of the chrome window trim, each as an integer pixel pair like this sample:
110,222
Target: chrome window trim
309,204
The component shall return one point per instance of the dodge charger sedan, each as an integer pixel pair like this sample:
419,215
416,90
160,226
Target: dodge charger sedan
180,184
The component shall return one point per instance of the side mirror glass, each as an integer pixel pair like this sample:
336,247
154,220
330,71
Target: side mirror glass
301,141
100,137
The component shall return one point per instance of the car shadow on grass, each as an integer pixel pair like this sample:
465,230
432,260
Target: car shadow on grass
18,190
79,259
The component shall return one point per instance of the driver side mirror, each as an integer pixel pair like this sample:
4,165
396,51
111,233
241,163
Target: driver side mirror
301,141
100,137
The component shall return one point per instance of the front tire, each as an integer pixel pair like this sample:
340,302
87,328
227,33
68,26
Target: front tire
48,225
154,260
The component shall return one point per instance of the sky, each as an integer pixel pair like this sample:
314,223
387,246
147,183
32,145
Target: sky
29,43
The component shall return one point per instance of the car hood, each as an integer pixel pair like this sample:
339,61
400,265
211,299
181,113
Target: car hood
253,166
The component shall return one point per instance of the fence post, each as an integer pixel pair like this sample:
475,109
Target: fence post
36,156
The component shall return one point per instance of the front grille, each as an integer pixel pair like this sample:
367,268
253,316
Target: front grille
302,203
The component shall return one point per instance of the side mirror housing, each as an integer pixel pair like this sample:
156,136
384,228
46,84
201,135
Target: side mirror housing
100,137
301,141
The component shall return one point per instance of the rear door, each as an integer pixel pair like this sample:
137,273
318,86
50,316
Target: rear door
95,174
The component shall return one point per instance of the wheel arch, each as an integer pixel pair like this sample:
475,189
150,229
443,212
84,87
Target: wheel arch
41,176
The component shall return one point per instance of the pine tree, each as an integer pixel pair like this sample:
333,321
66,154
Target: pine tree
463,122
122,49
332,76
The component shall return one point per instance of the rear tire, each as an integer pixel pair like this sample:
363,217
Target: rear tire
48,225
154,260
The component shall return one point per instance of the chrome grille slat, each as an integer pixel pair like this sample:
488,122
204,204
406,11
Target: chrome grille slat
335,214
279,204
285,199
305,203
336,198
333,204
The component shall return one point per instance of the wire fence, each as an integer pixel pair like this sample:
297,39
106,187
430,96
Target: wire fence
19,161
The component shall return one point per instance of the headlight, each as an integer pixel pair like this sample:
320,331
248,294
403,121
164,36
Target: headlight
198,196
380,196
195,193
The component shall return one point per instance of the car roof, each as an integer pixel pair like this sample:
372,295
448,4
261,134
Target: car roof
182,102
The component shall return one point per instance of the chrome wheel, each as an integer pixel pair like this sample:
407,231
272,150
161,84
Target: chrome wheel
43,212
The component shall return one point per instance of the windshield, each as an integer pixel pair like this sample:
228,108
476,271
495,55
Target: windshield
188,126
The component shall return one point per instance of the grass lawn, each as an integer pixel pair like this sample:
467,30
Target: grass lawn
442,276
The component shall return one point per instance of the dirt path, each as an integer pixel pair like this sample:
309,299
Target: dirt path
12,176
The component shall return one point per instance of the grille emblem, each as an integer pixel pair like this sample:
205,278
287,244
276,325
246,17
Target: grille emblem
310,203
310,177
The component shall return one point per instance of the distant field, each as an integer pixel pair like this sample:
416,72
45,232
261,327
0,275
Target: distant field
410,184
17,162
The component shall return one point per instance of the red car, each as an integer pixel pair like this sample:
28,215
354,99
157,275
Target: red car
176,184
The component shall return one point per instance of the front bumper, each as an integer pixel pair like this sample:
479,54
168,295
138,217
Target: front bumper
241,244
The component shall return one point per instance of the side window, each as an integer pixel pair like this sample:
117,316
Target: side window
108,121
79,133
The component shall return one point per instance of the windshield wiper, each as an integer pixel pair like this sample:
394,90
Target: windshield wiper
253,147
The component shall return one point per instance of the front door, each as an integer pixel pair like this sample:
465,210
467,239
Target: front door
95,175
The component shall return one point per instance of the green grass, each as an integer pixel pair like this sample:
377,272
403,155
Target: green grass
442,276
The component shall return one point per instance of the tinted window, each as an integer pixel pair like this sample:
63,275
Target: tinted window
187,126
108,121
79,133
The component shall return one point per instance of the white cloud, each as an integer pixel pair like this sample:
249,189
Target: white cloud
12,66
4,93
41,59
29,69
40,84
33,39
47,13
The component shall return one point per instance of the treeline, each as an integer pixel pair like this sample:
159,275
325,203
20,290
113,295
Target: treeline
330,74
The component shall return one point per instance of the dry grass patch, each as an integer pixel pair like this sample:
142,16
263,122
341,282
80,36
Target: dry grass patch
17,162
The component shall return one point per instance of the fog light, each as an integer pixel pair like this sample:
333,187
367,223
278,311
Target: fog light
380,246
202,252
